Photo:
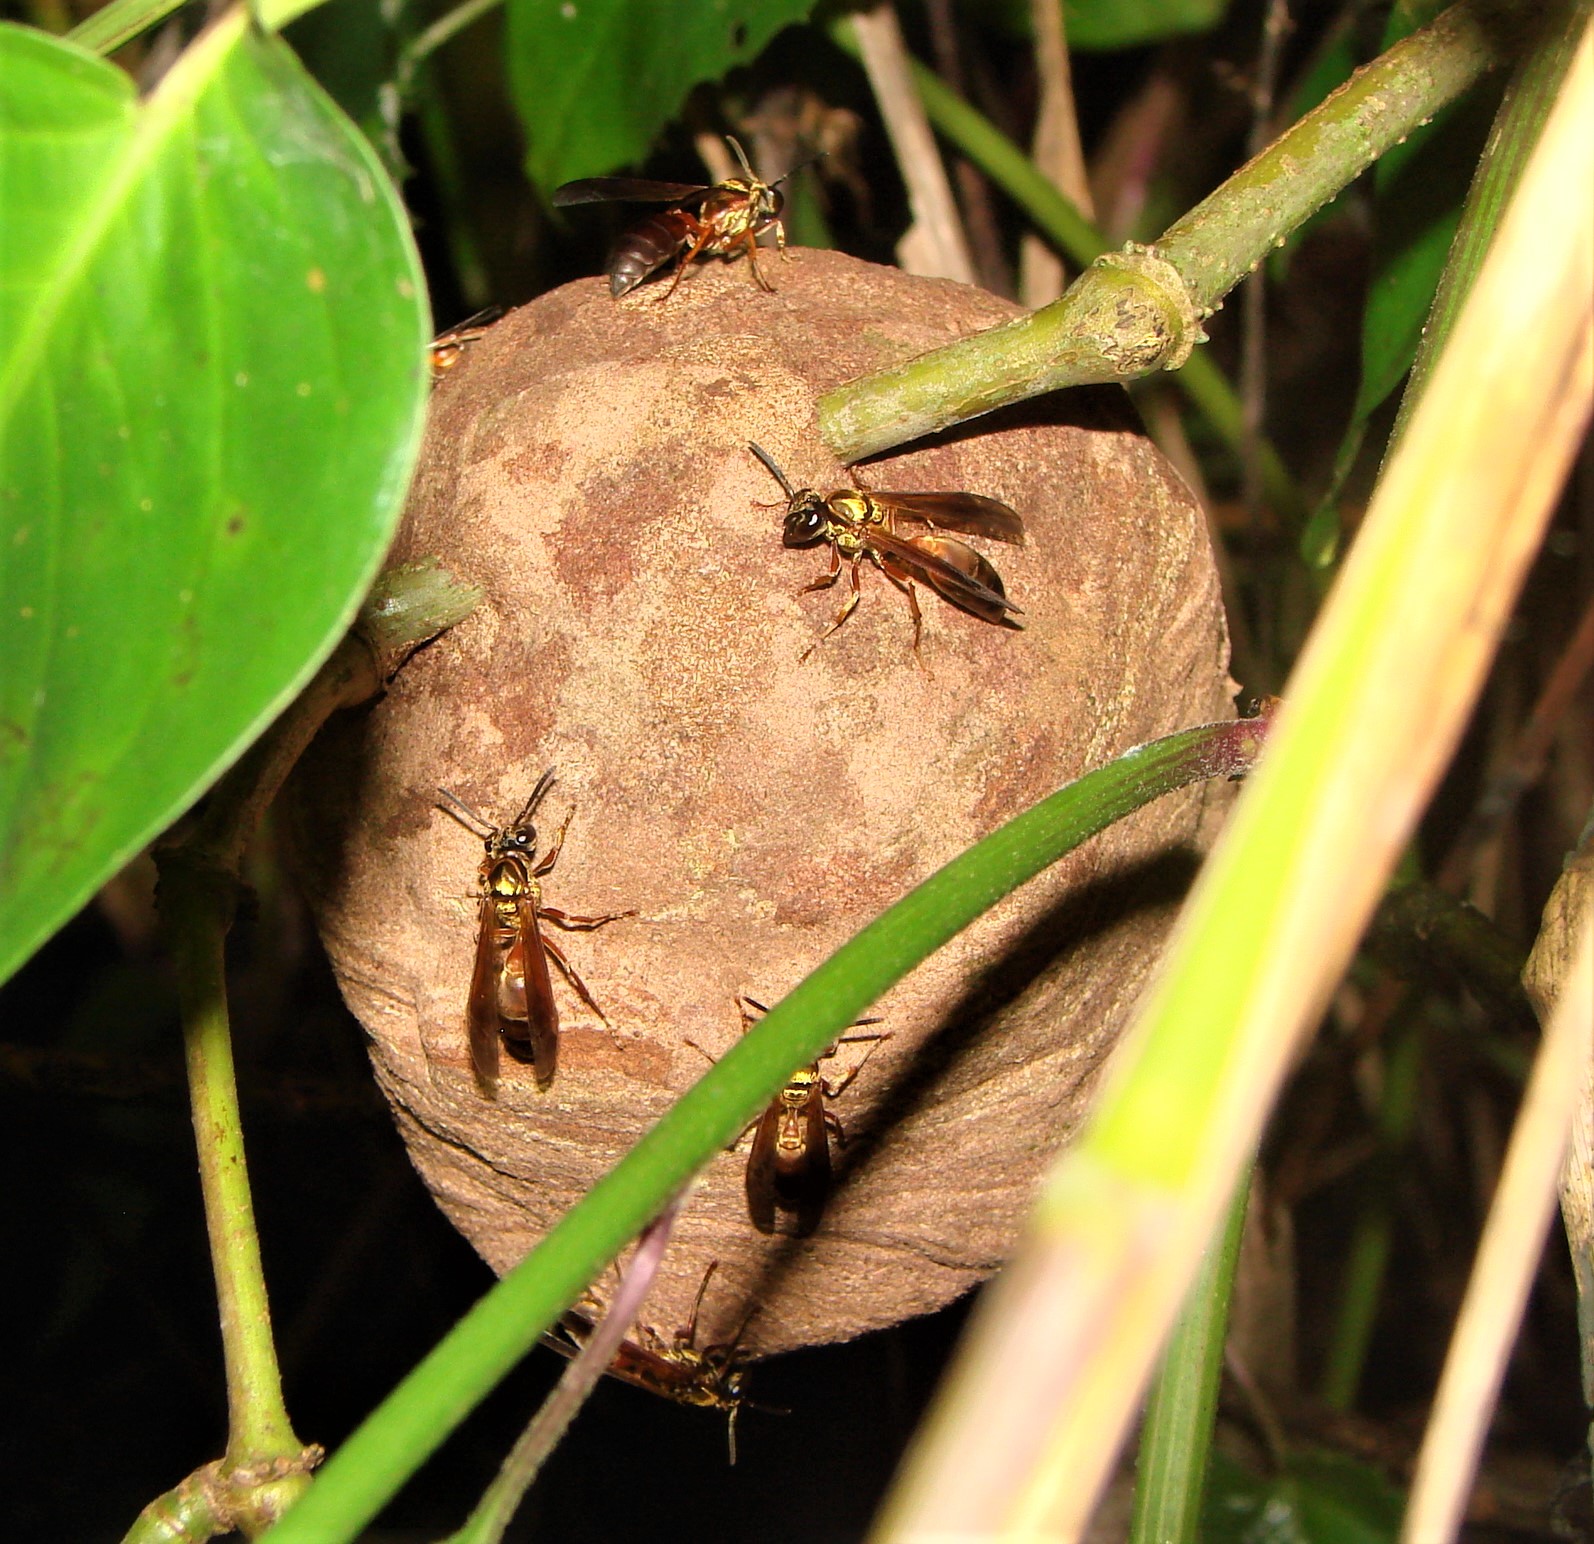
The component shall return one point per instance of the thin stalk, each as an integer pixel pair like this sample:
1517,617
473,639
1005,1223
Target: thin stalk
935,243
497,1508
445,29
265,1467
117,24
1517,125
1140,309
1367,1260
1176,1436
1508,1256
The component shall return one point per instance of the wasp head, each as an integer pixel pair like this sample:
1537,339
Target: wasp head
805,521
517,841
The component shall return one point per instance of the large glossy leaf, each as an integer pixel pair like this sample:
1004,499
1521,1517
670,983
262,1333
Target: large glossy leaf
212,333
595,80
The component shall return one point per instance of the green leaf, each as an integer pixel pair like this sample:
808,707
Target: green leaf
212,381
1106,24
594,81
1318,1498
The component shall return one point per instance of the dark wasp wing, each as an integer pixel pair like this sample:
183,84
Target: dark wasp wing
760,1177
954,571
482,1018
972,513
536,1037
628,190
794,1182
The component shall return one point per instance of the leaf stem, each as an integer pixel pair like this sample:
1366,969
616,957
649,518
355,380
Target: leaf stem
1140,309
118,23
266,1467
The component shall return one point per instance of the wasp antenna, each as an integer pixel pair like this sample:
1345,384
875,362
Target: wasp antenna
741,155
460,807
792,171
544,783
769,461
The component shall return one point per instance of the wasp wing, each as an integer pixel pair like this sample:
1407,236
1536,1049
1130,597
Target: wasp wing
482,1018
760,1179
972,513
533,1037
628,190
954,571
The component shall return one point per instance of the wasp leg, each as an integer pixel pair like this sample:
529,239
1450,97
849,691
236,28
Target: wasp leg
557,956
687,1335
750,241
580,924
905,584
846,611
824,581
834,1127
547,863
700,239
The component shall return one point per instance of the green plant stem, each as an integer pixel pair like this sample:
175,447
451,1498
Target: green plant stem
1367,1261
1523,110
496,1510
444,30
1140,309
1176,1436
466,1364
266,1466
1054,214
115,25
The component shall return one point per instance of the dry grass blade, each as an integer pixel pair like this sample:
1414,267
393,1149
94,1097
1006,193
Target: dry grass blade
1027,1428
935,246
1508,1257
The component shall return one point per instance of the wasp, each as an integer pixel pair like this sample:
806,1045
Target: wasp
788,1169
860,525
448,348
511,992
716,221
712,1378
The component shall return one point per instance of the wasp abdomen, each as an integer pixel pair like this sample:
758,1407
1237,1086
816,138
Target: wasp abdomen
647,247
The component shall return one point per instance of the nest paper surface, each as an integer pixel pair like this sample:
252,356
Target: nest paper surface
587,465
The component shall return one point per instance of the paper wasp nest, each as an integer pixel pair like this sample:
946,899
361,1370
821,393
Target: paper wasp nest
587,465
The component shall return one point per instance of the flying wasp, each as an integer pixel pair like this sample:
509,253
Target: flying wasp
715,221
788,1169
712,1378
511,998
861,525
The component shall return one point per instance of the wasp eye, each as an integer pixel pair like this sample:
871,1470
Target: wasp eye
773,201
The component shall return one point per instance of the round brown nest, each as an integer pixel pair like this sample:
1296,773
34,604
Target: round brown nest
587,465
